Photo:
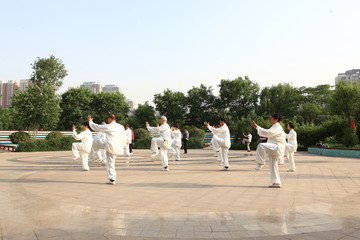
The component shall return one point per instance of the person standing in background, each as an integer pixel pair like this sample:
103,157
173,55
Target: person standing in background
185,139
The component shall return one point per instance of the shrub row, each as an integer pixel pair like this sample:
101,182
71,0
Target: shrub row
55,144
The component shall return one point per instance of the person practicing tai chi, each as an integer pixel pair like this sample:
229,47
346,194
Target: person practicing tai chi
113,144
291,146
215,146
247,140
222,139
128,139
163,141
273,149
83,148
176,142
97,153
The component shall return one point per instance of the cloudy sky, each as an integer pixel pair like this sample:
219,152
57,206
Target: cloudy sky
146,46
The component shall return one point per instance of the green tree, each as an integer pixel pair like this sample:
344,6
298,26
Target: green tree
201,104
239,96
105,103
37,108
310,112
144,113
48,71
75,104
345,100
172,105
6,119
282,98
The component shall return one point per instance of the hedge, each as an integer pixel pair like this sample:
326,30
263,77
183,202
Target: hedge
19,137
58,144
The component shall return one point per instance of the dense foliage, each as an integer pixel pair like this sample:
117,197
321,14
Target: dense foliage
321,114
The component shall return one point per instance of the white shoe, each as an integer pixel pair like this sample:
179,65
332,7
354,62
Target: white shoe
225,169
154,155
85,169
111,182
281,163
259,166
165,168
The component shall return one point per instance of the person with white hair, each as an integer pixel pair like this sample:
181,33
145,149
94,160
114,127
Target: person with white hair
222,139
273,150
163,141
114,143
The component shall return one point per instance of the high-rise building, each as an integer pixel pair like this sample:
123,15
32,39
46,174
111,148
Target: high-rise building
93,86
111,88
351,76
131,104
7,91
23,85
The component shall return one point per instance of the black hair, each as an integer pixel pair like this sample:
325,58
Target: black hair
86,124
176,126
276,116
291,125
222,120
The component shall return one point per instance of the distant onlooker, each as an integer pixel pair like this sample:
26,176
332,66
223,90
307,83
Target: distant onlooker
185,139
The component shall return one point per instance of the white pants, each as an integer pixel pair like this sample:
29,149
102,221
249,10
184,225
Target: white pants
78,150
247,143
160,143
224,150
98,149
269,151
110,166
127,150
289,153
176,150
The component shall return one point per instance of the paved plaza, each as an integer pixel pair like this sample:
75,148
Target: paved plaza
46,196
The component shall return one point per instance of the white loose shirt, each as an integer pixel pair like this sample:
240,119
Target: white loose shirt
275,135
85,137
114,135
292,139
128,136
164,132
222,132
176,136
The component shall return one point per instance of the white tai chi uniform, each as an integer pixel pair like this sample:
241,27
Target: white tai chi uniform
128,140
176,144
222,139
84,148
291,148
114,144
247,141
163,142
273,149
98,147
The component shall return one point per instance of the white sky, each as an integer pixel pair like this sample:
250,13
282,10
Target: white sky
147,46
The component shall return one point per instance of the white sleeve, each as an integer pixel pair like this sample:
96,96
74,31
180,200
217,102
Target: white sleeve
77,136
268,132
96,127
153,130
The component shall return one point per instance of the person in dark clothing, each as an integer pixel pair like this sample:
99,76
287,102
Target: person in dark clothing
185,139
